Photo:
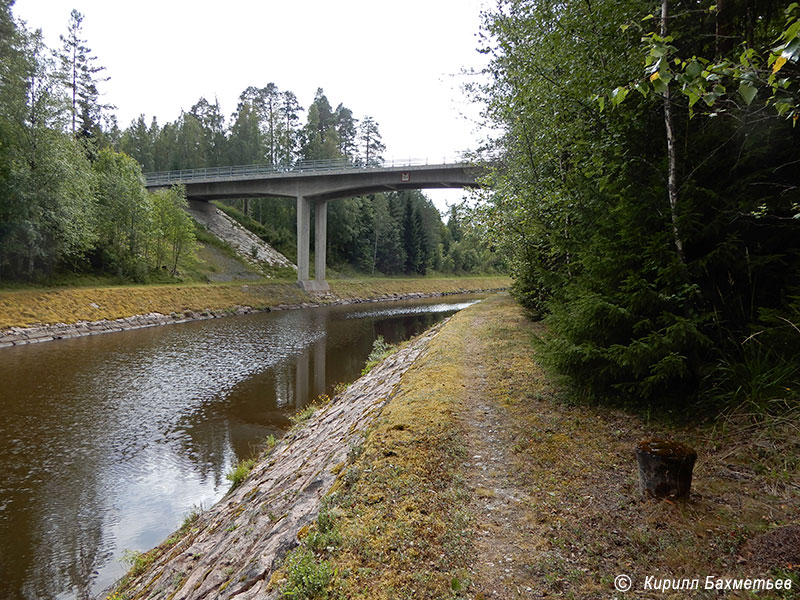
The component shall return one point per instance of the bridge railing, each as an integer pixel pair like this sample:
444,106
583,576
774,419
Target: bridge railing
210,174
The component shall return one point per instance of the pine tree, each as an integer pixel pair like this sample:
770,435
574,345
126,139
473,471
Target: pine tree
321,138
137,141
290,135
347,132
246,145
270,102
371,142
412,238
212,122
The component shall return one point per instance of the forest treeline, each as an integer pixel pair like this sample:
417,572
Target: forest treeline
71,193
649,198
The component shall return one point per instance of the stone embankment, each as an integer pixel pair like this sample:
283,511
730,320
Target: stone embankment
248,245
16,336
234,548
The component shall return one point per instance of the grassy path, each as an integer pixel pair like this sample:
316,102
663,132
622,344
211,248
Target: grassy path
480,481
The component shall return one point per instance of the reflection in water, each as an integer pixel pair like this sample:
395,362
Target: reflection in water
107,442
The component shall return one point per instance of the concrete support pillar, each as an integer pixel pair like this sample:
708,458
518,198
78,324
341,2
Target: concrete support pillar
320,244
304,244
303,239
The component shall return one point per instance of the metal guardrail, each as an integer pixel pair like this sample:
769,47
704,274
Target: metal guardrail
306,167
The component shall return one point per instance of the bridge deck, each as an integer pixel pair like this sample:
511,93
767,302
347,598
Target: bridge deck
301,169
313,184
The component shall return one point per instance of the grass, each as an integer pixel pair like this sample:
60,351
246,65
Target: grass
307,578
240,472
370,287
576,462
409,515
398,500
380,351
305,413
27,307
138,561
242,469
306,573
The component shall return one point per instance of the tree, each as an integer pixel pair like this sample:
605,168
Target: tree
270,102
246,145
8,33
321,138
125,218
138,141
80,76
719,81
648,261
13,67
388,251
173,228
192,148
46,216
212,123
346,132
371,142
165,147
412,239
699,78
289,140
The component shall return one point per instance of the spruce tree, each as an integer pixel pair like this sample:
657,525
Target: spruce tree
80,77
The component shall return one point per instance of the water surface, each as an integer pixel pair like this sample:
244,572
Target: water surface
108,442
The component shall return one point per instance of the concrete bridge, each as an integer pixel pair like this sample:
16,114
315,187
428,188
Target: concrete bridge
314,183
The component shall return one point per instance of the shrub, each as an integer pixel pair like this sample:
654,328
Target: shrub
307,578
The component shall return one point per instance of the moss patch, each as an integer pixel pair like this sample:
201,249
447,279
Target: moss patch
28,307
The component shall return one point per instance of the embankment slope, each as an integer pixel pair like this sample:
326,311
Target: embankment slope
234,549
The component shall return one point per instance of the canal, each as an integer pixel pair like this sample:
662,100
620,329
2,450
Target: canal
108,442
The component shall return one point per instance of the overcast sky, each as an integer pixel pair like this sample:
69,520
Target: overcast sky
399,62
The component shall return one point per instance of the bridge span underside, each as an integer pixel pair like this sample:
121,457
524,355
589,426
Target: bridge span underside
315,188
